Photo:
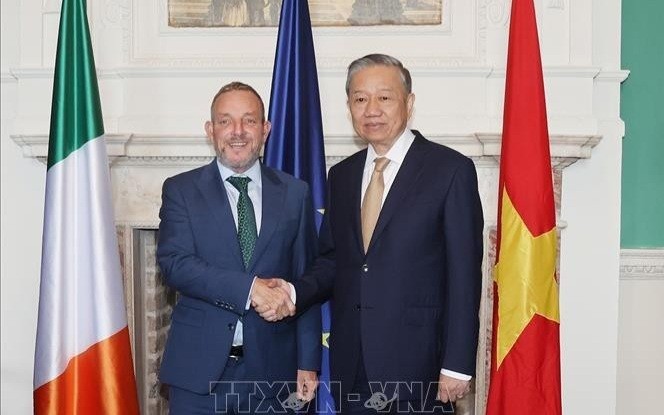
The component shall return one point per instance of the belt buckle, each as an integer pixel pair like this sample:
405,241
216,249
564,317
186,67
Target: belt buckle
235,353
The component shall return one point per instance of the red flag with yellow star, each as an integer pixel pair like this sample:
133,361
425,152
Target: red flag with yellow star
525,363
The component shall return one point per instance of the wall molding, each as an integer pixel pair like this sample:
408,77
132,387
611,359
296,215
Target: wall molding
565,149
642,264
7,77
557,71
325,66
159,149
36,145
612,76
497,12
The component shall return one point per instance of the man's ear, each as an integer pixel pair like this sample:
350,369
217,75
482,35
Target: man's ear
209,130
267,126
410,103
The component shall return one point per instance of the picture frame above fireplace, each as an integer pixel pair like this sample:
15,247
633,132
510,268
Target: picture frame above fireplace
261,13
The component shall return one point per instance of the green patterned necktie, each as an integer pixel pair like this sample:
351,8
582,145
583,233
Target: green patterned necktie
246,219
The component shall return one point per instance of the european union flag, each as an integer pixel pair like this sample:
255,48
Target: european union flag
296,141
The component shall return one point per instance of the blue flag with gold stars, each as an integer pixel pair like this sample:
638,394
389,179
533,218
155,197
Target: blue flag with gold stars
296,140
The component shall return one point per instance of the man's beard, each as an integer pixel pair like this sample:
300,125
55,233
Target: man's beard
238,166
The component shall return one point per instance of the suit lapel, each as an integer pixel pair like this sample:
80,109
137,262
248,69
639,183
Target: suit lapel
354,184
403,183
274,192
215,195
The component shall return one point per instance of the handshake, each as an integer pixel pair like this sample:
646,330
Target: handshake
271,298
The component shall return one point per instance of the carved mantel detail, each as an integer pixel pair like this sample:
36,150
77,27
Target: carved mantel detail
169,150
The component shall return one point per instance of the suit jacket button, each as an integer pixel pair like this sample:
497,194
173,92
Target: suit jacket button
358,307
231,326
218,303
365,268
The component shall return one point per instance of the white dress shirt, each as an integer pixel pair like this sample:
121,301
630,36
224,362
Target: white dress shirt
396,155
255,191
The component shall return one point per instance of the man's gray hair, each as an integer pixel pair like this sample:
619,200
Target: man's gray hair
379,59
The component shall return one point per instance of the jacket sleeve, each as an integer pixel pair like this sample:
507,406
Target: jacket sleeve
315,286
463,224
309,325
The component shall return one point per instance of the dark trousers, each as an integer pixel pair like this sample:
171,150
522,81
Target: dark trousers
374,398
227,396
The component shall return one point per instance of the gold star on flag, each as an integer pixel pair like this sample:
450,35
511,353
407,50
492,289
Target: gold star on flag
525,277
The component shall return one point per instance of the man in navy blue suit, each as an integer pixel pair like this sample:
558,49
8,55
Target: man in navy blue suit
400,257
225,228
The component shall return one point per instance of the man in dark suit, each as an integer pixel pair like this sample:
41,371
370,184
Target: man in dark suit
400,256
224,228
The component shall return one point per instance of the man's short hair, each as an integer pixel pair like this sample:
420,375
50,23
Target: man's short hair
237,86
379,59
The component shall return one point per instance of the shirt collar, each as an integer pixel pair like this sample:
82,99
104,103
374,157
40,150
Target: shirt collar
253,172
397,152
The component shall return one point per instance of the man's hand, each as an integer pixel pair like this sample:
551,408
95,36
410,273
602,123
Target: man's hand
271,299
307,382
451,389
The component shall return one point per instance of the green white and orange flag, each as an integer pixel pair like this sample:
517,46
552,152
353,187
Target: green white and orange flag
525,364
83,361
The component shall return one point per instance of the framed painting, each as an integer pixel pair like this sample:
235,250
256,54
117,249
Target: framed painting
258,13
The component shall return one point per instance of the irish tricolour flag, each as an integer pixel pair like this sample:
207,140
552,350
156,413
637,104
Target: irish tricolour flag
83,359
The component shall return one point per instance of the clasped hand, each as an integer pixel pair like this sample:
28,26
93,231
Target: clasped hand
451,389
271,299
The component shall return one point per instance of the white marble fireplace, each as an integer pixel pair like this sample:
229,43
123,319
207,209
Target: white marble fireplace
139,165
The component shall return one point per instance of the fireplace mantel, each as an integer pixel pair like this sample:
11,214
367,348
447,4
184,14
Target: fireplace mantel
183,150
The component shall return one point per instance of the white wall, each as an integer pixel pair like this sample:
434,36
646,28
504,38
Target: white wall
22,210
640,332
590,246
157,81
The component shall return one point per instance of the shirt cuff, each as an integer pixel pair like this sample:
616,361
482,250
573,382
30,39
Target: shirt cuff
455,375
293,294
248,306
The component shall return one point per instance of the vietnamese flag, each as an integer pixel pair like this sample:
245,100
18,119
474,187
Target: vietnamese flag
525,363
